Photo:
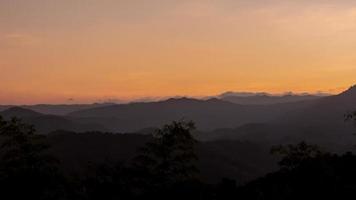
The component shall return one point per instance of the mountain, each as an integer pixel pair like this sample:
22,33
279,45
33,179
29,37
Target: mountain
256,132
47,123
50,109
265,98
4,107
242,94
319,120
326,117
232,159
207,114
19,112
322,122
64,109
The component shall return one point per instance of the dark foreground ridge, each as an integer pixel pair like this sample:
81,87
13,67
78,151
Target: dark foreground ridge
170,164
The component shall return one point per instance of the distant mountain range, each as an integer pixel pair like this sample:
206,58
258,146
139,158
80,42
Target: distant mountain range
243,98
207,114
273,119
240,160
322,121
235,138
47,123
247,98
57,109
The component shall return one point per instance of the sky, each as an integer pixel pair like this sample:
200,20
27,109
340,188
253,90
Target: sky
63,51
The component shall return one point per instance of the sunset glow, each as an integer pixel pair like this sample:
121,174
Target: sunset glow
53,51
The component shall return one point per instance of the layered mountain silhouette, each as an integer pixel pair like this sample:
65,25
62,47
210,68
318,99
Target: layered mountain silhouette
57,109
322,121
317,119
20,113
207,114
239,160
234,139
265,98
47,123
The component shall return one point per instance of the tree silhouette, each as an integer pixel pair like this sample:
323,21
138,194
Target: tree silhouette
25,168
294,155
170,157
108,181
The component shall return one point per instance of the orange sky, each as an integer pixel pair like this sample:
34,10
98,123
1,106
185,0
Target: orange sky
91,50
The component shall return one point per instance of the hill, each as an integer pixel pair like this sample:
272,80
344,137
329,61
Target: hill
19,112
265,98
47,123
207,114
233,159
321,122
51,109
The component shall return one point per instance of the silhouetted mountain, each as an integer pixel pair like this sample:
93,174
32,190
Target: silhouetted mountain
322,177
322,121
207,114
351,92
4,107
256,132
319,120
50,109
64,109
265,98
19,112
241,160
47,123
242,94
325,119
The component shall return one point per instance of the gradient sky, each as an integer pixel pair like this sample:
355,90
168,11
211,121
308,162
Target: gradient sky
91,50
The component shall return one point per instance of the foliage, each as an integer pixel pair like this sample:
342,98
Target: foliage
108,181
295,155
170,157
325,177
25,168
164,169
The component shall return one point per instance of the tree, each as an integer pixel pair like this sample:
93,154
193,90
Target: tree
170,157
25,168
108,181
294,155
